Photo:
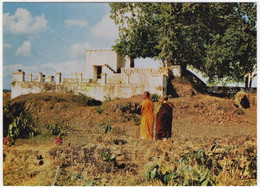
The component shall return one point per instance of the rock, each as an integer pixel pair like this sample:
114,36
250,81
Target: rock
157,152
241,100
120,157
39,157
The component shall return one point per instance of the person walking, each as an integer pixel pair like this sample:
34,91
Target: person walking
164,120
147,119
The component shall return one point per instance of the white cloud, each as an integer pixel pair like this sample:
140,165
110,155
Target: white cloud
49,69
106,29
78,50
80,23
22,22
66,68
7,45
25,49
9,69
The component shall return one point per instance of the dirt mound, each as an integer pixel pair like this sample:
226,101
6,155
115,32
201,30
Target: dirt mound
102,146
182,87
208,109
244,100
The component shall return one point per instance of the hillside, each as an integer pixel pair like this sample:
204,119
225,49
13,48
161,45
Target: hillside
213,137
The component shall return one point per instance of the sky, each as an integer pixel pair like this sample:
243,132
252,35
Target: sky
52,37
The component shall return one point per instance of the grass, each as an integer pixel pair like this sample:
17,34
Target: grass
86,141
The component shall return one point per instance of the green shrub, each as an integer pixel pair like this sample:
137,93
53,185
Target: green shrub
193,169
83,99
137,119
21,127
107,99
108,157
155,97
106,127
56,130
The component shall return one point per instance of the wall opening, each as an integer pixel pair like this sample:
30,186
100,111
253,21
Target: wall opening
99,71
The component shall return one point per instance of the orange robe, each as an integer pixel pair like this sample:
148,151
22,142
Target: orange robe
146,128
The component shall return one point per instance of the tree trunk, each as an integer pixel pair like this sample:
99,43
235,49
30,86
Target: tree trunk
183,69
163,63
251,79
246,81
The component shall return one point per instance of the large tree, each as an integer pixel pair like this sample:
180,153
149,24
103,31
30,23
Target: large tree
231,52
196,34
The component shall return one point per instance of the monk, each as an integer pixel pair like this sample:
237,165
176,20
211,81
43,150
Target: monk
147,120
164,120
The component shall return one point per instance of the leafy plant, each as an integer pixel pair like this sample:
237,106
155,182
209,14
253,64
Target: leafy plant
107,99
137,119
22,127
56,130
85,100
195,168
155,97
131,111
108,157
161,172
106,127
90,183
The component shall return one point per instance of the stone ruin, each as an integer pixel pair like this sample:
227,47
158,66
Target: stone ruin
106,75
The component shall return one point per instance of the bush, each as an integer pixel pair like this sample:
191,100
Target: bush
107,98
193,169
82,98
155,97
56,130
21,127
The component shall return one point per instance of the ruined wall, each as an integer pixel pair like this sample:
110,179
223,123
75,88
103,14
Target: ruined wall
131,81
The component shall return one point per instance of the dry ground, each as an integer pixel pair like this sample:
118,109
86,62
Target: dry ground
199,121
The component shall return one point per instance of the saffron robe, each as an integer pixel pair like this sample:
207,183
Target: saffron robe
147,120
164,121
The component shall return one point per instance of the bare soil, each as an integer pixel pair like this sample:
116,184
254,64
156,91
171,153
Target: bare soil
199,121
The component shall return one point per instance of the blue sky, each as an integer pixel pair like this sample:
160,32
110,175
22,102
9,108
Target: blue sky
52,37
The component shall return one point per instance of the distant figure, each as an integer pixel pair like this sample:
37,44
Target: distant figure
147,120
164,120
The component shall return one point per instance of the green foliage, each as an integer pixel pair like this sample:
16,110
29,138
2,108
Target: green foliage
83,99
137,119
90,183
107,99
22,127
108,157
219,39
131,111
56,130
106,127
155,97
132,108
193,169
7,118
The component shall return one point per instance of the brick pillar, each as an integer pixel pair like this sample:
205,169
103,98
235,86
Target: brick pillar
18,76
39,77
43,78
58,78
80,77
30,77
